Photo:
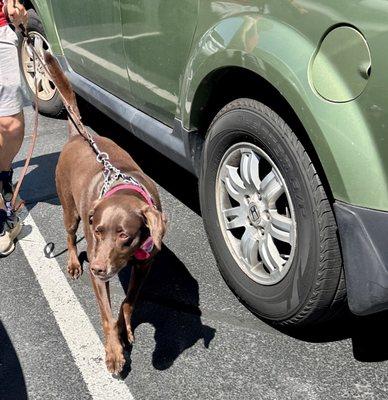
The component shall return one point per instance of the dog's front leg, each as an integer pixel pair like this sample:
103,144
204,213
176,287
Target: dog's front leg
113,349
138,276
71,220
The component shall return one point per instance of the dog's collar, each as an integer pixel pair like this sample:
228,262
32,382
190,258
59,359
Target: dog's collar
144,251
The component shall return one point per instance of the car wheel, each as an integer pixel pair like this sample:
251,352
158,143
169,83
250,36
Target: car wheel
49,101
268,218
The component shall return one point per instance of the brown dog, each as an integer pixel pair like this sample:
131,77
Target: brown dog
123,227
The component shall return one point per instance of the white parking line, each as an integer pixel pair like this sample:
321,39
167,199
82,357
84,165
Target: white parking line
82,340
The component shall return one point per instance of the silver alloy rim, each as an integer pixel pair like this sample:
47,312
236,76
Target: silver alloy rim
256,213
46,88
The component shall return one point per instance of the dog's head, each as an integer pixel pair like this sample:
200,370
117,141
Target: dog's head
120,225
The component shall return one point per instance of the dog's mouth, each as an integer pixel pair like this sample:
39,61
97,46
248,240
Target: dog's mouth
107,273
104,277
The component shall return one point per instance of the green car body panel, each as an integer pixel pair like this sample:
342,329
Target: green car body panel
349,138
155,55
157,50
92,43
327,59
44,10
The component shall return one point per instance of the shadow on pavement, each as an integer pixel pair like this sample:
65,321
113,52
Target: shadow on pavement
39,183
368,334
12,383
169,301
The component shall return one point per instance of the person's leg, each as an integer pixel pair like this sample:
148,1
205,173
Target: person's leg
11,139
11,133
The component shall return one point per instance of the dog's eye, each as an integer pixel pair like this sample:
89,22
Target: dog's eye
123,236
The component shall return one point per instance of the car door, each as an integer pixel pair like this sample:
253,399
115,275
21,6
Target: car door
91,36
157,38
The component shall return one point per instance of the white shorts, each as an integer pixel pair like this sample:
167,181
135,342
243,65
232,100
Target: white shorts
12,95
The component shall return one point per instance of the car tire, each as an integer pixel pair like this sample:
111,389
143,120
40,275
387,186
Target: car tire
49,103
305,286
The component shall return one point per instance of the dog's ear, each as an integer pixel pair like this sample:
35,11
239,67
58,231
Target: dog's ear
90,216
92,211
156,223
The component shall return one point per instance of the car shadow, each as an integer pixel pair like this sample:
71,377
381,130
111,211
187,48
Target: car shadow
12,382
368,334
169,301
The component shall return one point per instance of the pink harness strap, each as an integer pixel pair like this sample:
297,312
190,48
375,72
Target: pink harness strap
144,251
132,187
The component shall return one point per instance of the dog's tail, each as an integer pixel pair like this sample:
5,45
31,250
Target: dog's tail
62,83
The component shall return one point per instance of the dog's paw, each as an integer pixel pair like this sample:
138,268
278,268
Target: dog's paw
125,332
74,270
114,359
130,337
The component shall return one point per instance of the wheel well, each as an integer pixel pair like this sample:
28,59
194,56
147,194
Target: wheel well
227,84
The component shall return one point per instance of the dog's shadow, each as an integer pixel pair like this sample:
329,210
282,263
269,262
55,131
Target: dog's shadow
169,301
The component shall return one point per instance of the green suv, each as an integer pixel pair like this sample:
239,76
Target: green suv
279,107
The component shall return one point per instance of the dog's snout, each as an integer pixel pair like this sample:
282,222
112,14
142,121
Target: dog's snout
98,269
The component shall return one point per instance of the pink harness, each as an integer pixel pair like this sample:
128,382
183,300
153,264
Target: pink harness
144,251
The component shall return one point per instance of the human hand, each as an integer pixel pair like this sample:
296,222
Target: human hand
16,13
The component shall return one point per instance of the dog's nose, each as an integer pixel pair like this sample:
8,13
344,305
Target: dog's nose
98,270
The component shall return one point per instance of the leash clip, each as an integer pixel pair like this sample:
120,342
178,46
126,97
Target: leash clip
101,157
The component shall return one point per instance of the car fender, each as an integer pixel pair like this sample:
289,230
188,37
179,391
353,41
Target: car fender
282,56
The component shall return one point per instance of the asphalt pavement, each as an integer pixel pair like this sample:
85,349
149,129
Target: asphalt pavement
194,340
